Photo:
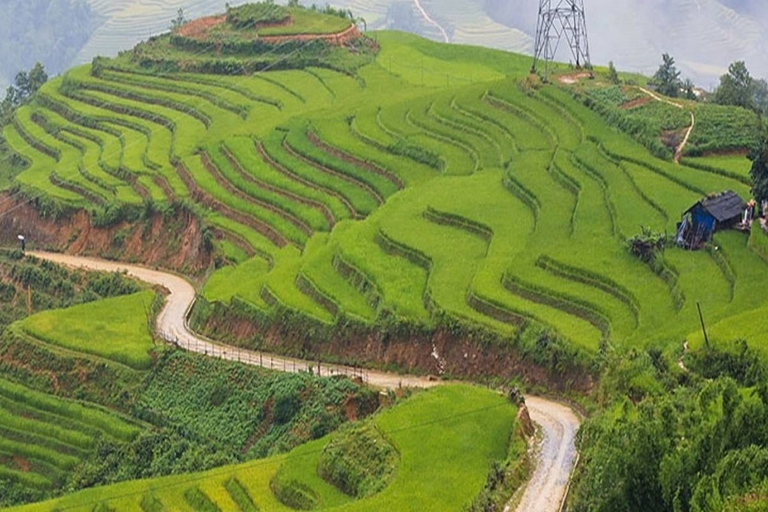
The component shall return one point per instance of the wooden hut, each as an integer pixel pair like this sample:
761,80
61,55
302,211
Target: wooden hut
710,214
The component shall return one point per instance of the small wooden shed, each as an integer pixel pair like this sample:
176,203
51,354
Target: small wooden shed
710,214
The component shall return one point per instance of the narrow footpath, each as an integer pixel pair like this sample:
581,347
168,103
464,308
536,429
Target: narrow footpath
681,146
558,423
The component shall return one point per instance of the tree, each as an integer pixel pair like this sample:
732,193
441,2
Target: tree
667,78
613,75
179,20
25,85
36,78
761,96
688,87
22,84
759,173
736,87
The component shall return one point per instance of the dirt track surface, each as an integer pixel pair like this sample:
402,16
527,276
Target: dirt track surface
558,423
556,455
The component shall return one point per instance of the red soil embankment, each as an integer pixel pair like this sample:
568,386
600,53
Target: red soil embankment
173,241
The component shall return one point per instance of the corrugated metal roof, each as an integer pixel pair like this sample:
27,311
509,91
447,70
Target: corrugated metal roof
724,206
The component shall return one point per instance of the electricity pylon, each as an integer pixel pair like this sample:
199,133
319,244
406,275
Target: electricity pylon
558,19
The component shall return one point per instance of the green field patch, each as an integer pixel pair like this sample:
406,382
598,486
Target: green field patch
114,328
420,63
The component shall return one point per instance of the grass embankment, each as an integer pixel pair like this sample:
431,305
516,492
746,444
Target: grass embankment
446,440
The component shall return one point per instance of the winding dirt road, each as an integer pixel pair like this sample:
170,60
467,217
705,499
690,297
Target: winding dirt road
558,423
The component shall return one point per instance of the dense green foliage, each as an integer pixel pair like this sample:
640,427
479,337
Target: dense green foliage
359,461
226,403
673,441
759,172
250,15
737,87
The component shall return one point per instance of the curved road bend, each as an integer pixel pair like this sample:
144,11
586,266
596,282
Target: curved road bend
558,423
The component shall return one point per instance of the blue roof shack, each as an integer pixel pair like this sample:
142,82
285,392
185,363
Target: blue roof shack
713,213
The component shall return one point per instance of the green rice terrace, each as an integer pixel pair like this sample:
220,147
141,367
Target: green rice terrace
429,184
370,199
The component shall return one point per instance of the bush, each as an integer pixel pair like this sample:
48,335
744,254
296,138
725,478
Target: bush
251,15
359,461
743,365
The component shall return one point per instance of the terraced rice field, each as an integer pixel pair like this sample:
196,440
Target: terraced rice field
431,183
445,439
44,437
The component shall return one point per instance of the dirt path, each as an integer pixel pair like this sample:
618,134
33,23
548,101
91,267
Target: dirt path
681,147
556,455
558,423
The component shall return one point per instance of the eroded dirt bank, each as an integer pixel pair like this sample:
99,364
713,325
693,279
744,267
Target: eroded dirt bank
439,352
173,238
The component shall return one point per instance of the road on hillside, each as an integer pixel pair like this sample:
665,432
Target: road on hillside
558,423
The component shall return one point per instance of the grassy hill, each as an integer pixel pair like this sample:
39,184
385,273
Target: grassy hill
429,184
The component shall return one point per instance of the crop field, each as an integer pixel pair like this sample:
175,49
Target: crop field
445,438
115,328
432,181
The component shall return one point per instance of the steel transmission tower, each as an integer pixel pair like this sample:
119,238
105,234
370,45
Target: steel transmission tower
558,18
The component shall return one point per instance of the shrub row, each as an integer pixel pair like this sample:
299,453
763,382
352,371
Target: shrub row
199,501
33,142
422,122
603,183
240,495
273,153
616,157
346,157
267,201
273,189
362,283
89,196
237,216
308,287
450,122
483,118
451,219
741,178
525,195
365,193
576,306
378,186
592,279
168,86
127,94
720,258
517,111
